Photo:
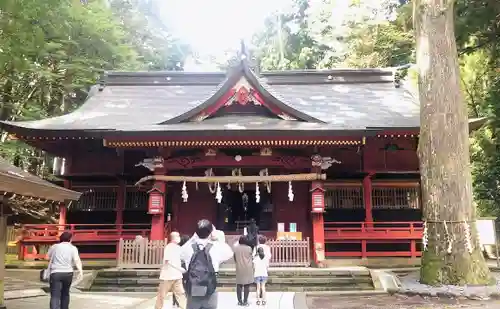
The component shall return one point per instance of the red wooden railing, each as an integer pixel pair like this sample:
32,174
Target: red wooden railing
83,232
35,236
365,233
362,234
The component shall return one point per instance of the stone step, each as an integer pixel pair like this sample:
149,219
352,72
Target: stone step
277,272
271,288
318,281
280,279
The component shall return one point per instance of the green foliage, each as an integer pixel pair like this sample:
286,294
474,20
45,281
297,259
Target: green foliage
286,42
52,51
315,35
478,34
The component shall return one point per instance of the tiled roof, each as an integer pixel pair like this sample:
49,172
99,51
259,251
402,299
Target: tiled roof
321,100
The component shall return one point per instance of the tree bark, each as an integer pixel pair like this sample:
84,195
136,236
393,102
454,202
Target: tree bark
453,254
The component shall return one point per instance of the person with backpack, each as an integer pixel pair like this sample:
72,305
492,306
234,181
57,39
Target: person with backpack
243,258
171,273
203,257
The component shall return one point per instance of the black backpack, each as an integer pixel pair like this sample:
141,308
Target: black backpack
201,277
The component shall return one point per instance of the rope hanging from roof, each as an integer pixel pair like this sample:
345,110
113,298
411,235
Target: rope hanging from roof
184,192
265,172
208,173
236,172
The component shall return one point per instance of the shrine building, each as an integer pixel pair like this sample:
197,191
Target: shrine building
328,155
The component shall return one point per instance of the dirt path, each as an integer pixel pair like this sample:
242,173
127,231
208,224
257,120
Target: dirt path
396,302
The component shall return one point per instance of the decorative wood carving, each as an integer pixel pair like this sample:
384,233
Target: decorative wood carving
210,152
323,162
183,162
266,152
291,161
241,93
227,161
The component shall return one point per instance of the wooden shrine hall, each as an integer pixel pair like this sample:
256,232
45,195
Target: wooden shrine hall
325,155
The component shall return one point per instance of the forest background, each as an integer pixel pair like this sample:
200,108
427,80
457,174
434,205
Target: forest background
53,51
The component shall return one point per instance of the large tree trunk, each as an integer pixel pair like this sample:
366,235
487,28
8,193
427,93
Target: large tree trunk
453,255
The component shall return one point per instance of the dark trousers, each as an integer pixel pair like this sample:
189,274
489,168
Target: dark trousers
60,283
245,288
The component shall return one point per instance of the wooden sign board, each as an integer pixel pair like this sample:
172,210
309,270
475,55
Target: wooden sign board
289,235
155,203
318,201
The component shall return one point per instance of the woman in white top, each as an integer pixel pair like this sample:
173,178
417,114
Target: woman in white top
261,264
62,258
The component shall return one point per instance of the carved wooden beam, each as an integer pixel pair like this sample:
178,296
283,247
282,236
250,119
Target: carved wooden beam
220,160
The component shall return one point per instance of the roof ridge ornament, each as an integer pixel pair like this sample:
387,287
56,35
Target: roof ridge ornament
243,52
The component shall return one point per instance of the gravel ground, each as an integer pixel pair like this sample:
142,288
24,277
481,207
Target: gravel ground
410,284
396,302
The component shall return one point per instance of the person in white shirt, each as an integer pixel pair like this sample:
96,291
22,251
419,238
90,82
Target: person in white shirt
260,265
263,245
214,252
171,273
62,258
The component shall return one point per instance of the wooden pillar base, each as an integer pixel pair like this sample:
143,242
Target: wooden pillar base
318,238
157,227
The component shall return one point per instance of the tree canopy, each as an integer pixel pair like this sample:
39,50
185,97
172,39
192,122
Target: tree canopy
52,51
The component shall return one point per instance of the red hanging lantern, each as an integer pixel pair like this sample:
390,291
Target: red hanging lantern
317,198
156,202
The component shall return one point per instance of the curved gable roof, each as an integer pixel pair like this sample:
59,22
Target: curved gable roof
243,71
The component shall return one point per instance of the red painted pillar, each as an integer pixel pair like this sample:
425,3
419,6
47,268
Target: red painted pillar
63,210
62,215
367,196
120,204
157,203
318,224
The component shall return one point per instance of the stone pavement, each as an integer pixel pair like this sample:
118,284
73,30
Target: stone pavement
227,300
83,301
23,279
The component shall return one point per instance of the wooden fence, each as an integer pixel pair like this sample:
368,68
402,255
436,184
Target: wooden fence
11,240
289,253
140,253
145,253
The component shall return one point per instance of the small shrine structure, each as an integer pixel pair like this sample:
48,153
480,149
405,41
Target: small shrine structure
17,185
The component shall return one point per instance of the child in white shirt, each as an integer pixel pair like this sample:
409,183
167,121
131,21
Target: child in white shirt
261,265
